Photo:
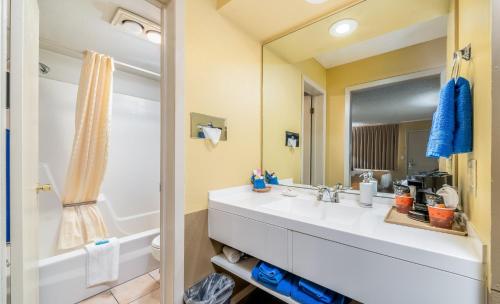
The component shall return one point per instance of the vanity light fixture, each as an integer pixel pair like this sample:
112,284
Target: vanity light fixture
343,27
154,36
316,1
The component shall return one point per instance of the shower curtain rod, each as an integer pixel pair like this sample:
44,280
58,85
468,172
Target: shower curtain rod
125,67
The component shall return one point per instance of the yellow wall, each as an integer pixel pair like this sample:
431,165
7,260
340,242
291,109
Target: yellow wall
474,26
223,71
412,59
282,107
313,70
282,110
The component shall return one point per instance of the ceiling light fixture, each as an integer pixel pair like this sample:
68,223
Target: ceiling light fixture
154,36
343,27
316,1
132,27
137,25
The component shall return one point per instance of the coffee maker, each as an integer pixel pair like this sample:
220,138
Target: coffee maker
423,184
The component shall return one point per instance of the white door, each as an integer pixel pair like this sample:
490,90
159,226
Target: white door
307,140
416,148
317,141
24,150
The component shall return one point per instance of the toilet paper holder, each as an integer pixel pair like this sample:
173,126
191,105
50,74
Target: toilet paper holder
198,121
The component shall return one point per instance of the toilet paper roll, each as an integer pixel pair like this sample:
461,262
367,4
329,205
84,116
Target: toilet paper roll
231,254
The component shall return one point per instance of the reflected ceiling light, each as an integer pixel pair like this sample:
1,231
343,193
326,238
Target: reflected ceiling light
316,1
132,27
154,36
343,27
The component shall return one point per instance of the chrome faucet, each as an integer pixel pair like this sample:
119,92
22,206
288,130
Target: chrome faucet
333,193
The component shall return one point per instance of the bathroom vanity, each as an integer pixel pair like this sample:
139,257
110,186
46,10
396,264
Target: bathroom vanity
348,248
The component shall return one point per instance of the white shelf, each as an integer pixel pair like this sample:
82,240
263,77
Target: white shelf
243,269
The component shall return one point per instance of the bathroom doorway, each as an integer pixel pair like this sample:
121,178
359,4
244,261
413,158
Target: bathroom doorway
144,102
313,130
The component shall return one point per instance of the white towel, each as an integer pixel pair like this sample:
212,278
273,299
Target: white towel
102,262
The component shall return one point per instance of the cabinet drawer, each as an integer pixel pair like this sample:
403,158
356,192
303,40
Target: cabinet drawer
261,240
374,278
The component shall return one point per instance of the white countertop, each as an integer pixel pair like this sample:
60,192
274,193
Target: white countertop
352,225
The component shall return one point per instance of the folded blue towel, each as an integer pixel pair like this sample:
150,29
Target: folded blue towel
316,291
302,296
269,273
284,286
443,124
462,141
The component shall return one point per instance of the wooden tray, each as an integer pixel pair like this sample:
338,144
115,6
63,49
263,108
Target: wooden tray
266,189
394,217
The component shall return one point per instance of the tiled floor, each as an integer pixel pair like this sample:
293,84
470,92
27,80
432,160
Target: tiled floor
141,290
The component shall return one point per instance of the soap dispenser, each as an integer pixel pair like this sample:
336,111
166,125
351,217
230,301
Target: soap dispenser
373,181
366,190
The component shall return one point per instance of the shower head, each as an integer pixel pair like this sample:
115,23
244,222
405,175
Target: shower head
44,69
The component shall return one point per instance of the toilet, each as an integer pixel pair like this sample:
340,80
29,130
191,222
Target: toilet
155,247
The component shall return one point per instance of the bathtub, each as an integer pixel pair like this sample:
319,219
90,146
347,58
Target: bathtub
62,277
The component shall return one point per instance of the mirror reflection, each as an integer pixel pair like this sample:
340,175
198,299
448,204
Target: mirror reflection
357,90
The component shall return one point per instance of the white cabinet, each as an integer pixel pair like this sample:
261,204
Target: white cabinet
374,278
261,240
366,276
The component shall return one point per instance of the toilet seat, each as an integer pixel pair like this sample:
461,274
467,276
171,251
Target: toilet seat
155,248
156,242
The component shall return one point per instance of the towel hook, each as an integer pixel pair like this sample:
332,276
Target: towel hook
464,53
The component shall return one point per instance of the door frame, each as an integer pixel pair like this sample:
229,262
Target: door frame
494,292
323,93
172,160
172,151
3,165
441,70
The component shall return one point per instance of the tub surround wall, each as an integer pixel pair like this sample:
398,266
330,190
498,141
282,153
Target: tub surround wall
125,212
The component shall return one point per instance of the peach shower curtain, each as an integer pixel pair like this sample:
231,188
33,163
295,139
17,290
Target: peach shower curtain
82,221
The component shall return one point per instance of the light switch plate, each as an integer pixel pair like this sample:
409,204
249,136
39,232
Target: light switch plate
472,176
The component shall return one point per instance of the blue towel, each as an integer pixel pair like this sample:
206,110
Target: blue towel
316,291
443,124
284,286
270,274
302,296
462,141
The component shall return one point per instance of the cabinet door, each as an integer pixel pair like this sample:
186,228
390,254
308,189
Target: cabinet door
373,278
263,241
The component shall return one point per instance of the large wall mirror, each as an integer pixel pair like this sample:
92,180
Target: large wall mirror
355,91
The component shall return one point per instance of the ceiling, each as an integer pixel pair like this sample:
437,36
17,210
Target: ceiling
384,25
265,19
410,100
77,25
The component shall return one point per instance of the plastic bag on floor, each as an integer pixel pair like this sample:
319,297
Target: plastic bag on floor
216,288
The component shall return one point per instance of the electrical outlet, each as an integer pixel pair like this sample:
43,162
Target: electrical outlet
472,176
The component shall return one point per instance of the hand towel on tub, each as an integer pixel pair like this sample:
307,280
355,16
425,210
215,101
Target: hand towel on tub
273,278
462,141
443,124
306,292
103,260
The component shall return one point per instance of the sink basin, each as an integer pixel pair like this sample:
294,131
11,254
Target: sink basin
317,210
